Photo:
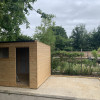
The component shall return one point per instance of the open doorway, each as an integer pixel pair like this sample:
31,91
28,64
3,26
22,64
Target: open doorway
22,66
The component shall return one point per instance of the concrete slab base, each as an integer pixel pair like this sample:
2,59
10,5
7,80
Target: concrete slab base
56,88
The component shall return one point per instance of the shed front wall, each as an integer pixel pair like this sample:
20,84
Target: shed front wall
8,65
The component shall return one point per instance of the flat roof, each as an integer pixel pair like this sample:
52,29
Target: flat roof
16,41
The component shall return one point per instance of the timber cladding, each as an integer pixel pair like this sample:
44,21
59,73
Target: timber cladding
43,63
39,63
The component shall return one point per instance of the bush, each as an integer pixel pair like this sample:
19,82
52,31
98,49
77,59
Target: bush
66,54
55,63
94,53
72,66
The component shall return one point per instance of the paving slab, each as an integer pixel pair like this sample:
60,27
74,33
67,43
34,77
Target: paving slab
61,87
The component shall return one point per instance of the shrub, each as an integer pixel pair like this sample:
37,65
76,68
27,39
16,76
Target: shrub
94,53
66,63
55,63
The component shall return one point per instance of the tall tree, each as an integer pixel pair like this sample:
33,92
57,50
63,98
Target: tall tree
59,31
12,15
88,41
96,38
79,37
22,37
44,32
61,37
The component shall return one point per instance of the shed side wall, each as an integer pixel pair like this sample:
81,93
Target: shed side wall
43,62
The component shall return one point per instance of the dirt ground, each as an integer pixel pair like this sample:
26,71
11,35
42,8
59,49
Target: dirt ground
86,88
78,87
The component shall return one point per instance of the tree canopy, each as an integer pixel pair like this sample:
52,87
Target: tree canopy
95,39
12,15
61,37
79,36
59,31
44,32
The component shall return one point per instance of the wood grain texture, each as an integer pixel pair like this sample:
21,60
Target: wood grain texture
43,62
39,64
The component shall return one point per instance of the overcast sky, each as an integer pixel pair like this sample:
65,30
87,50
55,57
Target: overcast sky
69,13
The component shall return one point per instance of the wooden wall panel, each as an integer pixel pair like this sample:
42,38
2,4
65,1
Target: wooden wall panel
4,72
12,65
43,62
33,65
39,63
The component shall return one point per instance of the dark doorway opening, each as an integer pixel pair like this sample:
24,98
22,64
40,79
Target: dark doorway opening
22,66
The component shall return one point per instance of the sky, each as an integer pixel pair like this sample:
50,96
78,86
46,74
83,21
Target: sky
69,13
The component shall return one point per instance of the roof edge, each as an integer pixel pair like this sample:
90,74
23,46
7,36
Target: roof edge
16,41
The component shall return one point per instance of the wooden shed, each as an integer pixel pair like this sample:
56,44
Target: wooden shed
24,64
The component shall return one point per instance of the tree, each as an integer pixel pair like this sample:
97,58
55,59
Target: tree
61,37
88,41
12,15
78,36
96,38
44,32
59,31
60,43
22,37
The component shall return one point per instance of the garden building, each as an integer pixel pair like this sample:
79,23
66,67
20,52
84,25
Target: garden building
24,64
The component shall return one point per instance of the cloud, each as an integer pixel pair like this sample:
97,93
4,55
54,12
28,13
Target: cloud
68,13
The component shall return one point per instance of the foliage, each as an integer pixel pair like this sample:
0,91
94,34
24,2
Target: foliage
44,15
82,39
45,34
78,37
74,69
22,37
98,52
12,15
64,57
98,49
67,54
67,63
96,38
61,37
55,64
59,31
94,53
60,43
